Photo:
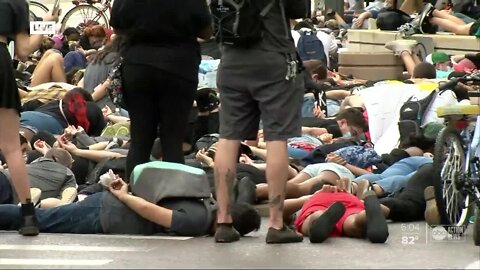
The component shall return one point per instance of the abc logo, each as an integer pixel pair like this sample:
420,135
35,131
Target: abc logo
439,233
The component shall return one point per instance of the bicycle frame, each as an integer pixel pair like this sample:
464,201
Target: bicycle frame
471,182
107,6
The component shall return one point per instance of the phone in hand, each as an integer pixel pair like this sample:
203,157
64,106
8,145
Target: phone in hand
57,4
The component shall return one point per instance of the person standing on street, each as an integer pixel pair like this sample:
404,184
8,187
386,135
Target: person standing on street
15,26
256,80
161,57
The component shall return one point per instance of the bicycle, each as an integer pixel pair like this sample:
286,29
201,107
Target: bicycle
86,13
37,10
457,160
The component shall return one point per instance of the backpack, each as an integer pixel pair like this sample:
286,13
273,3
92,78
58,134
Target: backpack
391,19
310,47
157,180
117,165
239,23
206,141
412,114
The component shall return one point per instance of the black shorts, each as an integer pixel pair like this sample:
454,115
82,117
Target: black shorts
253,87
475,28
9,96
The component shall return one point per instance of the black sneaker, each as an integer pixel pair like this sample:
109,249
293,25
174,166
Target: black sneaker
283,236
425,15
377,227
225,233
29,226
324,224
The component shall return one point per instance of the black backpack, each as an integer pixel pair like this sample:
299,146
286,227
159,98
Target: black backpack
239,23
412,114
117,165
391,19
310,47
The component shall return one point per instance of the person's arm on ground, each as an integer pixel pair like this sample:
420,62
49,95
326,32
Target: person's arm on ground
152,212
94,155
259,152
101,90
111,117
334,158
358,24
313,131
337,94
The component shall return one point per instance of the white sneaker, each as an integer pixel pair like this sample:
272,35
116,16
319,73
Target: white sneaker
401,45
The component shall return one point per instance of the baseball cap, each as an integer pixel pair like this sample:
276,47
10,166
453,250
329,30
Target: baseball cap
431,130
439,57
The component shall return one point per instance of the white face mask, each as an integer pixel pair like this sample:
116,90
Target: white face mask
347,135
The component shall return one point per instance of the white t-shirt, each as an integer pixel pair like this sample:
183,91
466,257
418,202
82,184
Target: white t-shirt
329,44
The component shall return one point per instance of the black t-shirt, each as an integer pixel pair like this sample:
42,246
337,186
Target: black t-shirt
94,115
162,34
14,18
330,124
84,42
118,218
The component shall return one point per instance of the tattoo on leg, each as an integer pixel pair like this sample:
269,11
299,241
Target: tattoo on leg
228,178
278,202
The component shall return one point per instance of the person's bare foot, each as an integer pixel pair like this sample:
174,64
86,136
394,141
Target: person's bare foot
344,185
362,187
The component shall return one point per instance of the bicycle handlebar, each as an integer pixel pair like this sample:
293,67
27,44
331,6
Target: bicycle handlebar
454,81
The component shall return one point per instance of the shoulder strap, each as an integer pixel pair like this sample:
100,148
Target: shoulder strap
267,8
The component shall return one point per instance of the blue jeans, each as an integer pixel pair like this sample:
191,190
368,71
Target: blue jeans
297,153
73,60
82,217
41,121
308,106
396,176
464,17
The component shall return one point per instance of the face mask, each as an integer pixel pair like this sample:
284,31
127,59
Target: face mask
347,135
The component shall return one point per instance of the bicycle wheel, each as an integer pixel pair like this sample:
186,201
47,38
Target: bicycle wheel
37,10
449,161
82,15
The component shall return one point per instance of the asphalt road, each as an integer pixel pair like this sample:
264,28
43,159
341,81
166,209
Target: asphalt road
410,246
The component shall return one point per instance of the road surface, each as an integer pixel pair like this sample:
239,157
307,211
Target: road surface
410,246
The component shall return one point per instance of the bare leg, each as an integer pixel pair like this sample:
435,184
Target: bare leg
49,69
300,178
225,169
10,146
352,101
409,62
293,205
445,15
262,191
451,26
416,59
225,166
411,6
277,174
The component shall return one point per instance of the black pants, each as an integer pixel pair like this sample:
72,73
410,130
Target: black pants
157,101
409,204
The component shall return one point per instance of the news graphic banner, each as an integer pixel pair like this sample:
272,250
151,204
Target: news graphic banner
42,28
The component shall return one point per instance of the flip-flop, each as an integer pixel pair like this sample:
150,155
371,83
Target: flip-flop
324,224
